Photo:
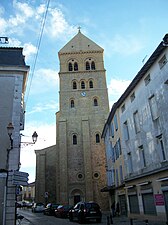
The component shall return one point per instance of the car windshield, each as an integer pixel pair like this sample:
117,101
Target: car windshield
92,205
67,206
39,204
55,206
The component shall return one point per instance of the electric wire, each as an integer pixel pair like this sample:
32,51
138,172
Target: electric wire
38,47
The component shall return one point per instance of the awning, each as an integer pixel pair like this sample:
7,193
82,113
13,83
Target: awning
108,188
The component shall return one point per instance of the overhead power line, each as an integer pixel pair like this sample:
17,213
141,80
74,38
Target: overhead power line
38,47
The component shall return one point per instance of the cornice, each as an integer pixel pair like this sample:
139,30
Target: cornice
79,52
79,72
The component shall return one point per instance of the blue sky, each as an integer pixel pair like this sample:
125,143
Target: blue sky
128,30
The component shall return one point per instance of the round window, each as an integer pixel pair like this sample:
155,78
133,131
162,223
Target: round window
80,176
96,175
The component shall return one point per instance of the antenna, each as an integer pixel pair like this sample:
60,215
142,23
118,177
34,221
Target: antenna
4,40
143,61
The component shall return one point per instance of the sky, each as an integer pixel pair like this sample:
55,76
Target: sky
128,31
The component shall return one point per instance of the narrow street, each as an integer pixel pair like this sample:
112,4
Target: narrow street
41,219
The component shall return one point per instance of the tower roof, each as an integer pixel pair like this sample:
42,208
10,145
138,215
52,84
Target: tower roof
80,43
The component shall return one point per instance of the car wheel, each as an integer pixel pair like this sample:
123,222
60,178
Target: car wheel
70,218
80,219
98,220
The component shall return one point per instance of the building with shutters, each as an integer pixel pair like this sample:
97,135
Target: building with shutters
13,77
142,112
83,110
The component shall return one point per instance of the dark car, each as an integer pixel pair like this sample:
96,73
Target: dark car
63,211
84,211
50,209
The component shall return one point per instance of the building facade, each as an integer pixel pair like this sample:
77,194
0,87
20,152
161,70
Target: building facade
115,169
28,193
84,107
143,122
13,76
45,190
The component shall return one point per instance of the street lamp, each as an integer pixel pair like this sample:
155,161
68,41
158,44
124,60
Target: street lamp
10,129
34,137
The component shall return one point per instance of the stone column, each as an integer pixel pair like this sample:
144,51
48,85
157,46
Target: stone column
63,179
87,159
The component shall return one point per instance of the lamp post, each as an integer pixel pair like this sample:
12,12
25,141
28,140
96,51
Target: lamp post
34,137
10,129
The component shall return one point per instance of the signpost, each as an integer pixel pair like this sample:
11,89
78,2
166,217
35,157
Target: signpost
20,178
159,199
3,175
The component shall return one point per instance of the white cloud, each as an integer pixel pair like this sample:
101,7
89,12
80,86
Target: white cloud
44,80
116,88
3,25
127,45
23,8
124,45
46,137
40,107
28,50
26,19
57,25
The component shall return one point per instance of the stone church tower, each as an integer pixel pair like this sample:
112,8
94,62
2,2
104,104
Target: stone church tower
83,109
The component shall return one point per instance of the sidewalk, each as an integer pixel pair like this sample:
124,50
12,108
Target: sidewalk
24,221
123,220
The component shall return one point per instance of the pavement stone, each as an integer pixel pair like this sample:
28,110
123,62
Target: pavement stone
106,220
123,220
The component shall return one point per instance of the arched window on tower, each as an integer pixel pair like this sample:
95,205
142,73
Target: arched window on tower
93,65
97,138
74,139
82,85
72,104
75,66
74,85
91,84
87,65
95,102
70,66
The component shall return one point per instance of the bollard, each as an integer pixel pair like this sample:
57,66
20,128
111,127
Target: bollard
131,221
111,219
108,220
146,221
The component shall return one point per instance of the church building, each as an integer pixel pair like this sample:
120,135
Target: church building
74,170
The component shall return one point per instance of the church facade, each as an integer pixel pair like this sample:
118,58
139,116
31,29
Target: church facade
79,154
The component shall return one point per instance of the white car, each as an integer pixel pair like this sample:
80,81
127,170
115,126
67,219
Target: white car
38,207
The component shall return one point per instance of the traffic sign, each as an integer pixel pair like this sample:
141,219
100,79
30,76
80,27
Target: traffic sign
17,182
19,173
3,175
20,178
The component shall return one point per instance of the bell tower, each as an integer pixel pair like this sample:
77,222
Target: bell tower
83,109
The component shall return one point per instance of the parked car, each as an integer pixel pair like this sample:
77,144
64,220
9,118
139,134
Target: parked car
38,207
63,211
84,211
50,209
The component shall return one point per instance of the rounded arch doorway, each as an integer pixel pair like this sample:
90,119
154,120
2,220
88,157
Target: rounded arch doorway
76,196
